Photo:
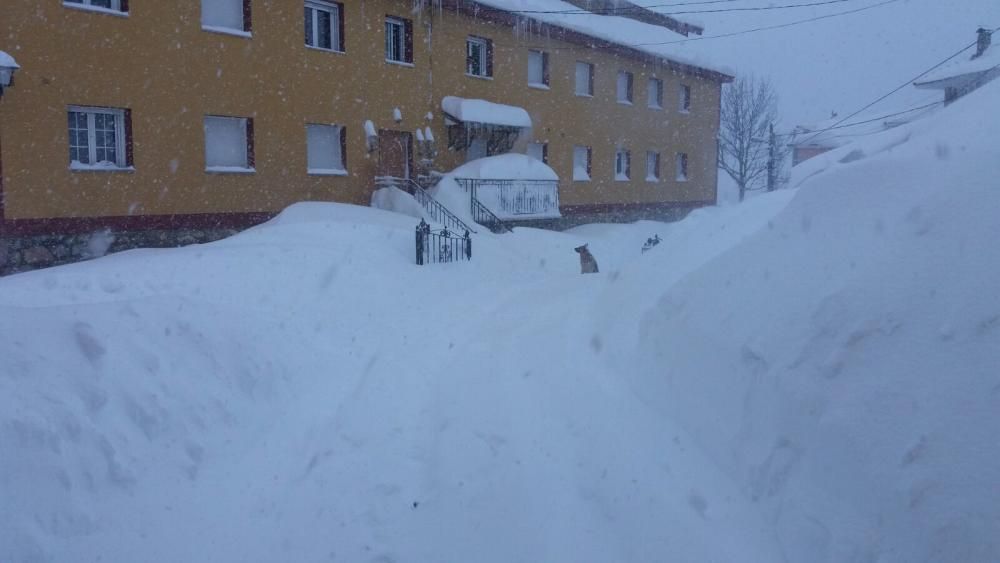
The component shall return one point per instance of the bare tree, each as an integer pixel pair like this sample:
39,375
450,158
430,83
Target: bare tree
749,110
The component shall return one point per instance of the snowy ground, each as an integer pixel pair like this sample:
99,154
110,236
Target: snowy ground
808,376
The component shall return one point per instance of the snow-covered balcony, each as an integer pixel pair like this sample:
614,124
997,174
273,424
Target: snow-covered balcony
511,186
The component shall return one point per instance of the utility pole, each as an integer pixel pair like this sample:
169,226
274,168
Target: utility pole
771,165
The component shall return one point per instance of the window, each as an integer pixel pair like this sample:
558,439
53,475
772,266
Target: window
228,144
538,69
112,5
654,93
584,79
539,151
479,57
226,16
581,164
325,147
324,25
623,165
682,167
398,40
685,99
652,166
624,87
99,138
478,148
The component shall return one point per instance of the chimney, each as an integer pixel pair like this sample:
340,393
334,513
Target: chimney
985,38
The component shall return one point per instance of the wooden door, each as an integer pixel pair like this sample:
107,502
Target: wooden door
395,154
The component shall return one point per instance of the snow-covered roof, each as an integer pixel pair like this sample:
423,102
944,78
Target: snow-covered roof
961,70
7,60
626,32
510,166
481,111
820,135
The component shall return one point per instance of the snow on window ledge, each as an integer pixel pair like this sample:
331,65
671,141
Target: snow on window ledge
621,178
226,30
98,9
315,48
625,102
479,76
230,170
684,111
327,172
656,107
652,179
579,95
538,86
580,175
400,63
682,178
77,166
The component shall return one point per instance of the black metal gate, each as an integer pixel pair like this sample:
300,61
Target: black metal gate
441,245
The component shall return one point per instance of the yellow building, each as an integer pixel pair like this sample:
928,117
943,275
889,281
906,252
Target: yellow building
177,121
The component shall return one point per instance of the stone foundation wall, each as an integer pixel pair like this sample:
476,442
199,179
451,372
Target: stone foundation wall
24,253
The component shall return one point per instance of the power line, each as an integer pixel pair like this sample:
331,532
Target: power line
637,8
706,37
623,8
879,118
900,87
770,27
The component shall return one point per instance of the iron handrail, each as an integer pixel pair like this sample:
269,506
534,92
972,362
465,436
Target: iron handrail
435,208
482,215
515,197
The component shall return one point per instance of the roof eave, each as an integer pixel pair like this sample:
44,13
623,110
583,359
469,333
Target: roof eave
499,15
957,80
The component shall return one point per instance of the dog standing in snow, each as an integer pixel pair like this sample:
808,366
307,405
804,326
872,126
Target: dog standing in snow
588,264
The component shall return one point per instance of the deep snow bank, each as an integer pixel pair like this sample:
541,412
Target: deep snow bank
303,392
844,362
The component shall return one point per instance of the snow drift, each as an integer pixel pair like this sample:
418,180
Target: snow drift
809,376
843,364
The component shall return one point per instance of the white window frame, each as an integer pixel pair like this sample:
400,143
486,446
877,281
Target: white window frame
246,168
585,151
115,9
624,93
121,157
399,23
683,167
684,99
318,171
589,93
484,47
542,84
335,15
623,165
654,93
239,31
652,166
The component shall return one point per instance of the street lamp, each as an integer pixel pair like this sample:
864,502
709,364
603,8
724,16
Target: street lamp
7,68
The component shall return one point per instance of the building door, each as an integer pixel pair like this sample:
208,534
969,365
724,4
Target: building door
395,154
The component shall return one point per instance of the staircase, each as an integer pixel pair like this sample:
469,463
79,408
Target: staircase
435,210
438,212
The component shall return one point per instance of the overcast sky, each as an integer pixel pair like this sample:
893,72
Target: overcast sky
844,62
